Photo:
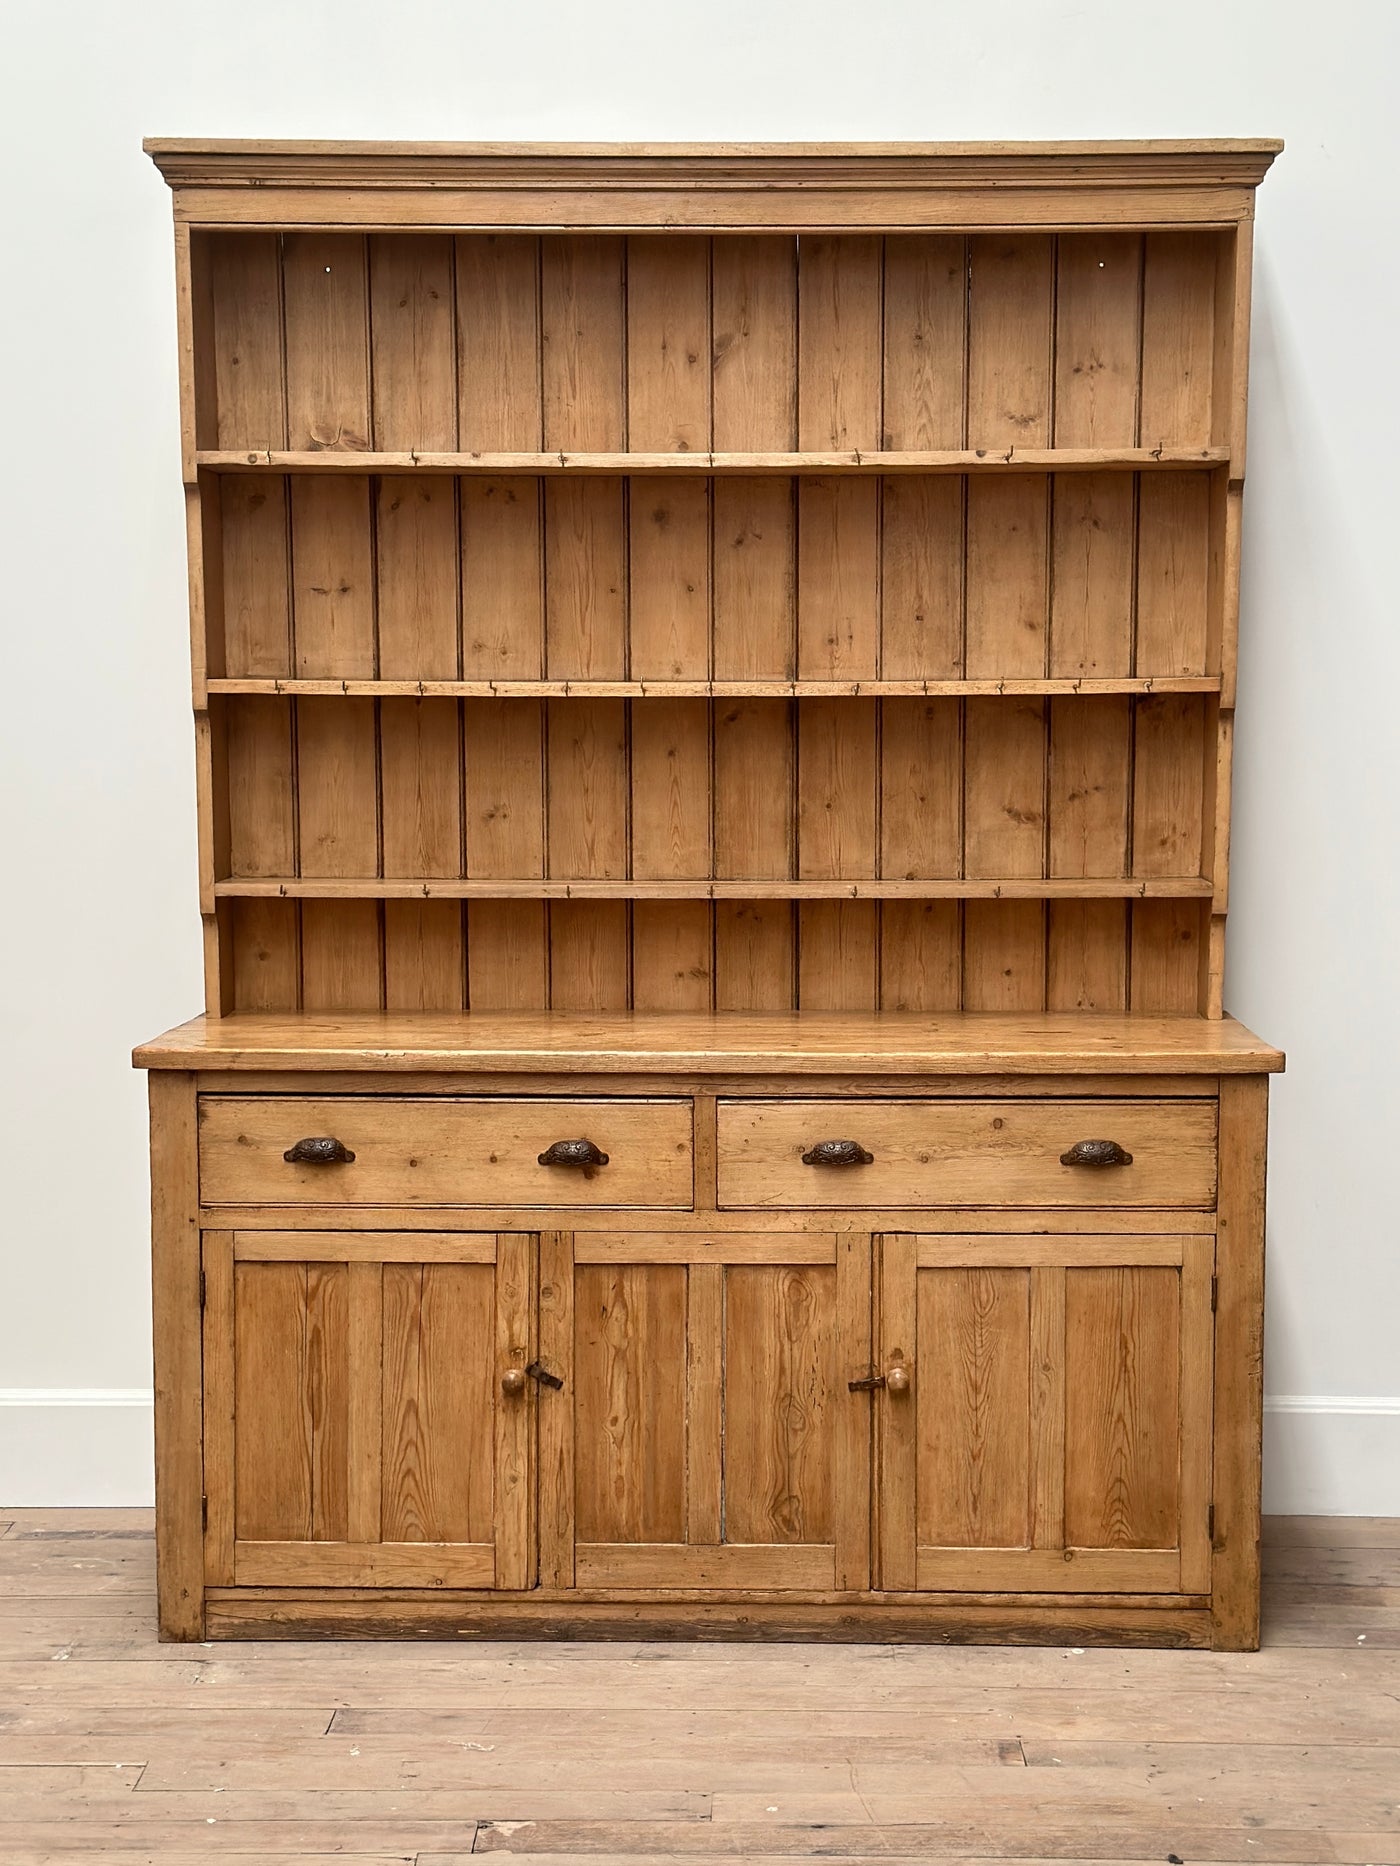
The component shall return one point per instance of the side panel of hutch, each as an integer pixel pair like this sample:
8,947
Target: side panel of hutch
714,674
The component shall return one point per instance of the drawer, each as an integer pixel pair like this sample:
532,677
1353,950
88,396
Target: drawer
434,1151
998,1153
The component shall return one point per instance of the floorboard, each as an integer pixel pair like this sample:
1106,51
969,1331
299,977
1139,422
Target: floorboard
116,1748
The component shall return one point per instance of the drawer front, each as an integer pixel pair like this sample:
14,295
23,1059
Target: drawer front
931,1153
422,1151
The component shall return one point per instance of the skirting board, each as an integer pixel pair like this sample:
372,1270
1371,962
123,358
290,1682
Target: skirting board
70,1447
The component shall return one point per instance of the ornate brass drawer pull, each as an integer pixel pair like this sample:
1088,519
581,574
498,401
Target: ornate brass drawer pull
573,1153
837,1153
1096,1153
321,1150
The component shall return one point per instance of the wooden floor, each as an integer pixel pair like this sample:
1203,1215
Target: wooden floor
113,1746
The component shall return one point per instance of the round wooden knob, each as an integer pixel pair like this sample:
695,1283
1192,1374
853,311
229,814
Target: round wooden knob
513,1380
897,1380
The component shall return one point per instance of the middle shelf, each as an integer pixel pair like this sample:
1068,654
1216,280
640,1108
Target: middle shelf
275,686
457,888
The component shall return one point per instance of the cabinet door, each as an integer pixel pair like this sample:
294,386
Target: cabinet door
706,1435
357,1433
1050,1430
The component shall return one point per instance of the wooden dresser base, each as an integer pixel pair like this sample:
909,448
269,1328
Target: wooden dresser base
990,1371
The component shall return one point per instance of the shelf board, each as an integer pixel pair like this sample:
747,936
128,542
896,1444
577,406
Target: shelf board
457,888
811,1043
272,686
705,465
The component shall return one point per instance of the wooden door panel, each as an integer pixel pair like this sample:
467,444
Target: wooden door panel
1055,1434
356,1430
706,1435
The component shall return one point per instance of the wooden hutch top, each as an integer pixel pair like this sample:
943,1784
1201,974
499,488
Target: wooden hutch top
728,605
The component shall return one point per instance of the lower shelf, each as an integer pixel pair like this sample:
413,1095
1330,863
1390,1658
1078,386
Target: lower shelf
550,888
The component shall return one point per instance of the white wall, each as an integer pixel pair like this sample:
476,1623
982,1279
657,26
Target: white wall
99,936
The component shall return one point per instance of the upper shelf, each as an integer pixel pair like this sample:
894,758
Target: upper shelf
706,465
273,686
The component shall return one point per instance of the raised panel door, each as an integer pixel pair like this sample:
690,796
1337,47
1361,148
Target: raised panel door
706,1435
1050,1428
357,1429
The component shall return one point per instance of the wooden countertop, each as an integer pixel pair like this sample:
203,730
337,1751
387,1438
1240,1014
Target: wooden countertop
811,1043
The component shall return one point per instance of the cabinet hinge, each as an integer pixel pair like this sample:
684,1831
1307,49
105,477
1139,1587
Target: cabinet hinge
204,1512
1214,1293
202,1291
1210,1525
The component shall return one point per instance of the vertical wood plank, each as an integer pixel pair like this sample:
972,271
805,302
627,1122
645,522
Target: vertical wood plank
498,343
1197,1378
255,568
629,1402
1239,1354
754,293
337,792
1168,754
589,956
341,956
516,1340
1003,956
669,579
704,1403
1166,956
365,1383
1178,339
502,586
416,569
1047,1402
1098,333
1122,1407
925,340
1087,960
421,783
332,576
585,579
245,287
898,1421
424,961
266,938
1004,788
838,579
780,1403
920,789
1007,575
672,956
755,956
218,1407
670,781
837,789
413,341
258,786
556,1423
507,956
583,330
839,341
1091,575
440,1396
852,1425
504,784
974,1448
755,579
838,956
921,577
1010,293
326,309
754,797
668,343
587,789
1173,573
920,956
